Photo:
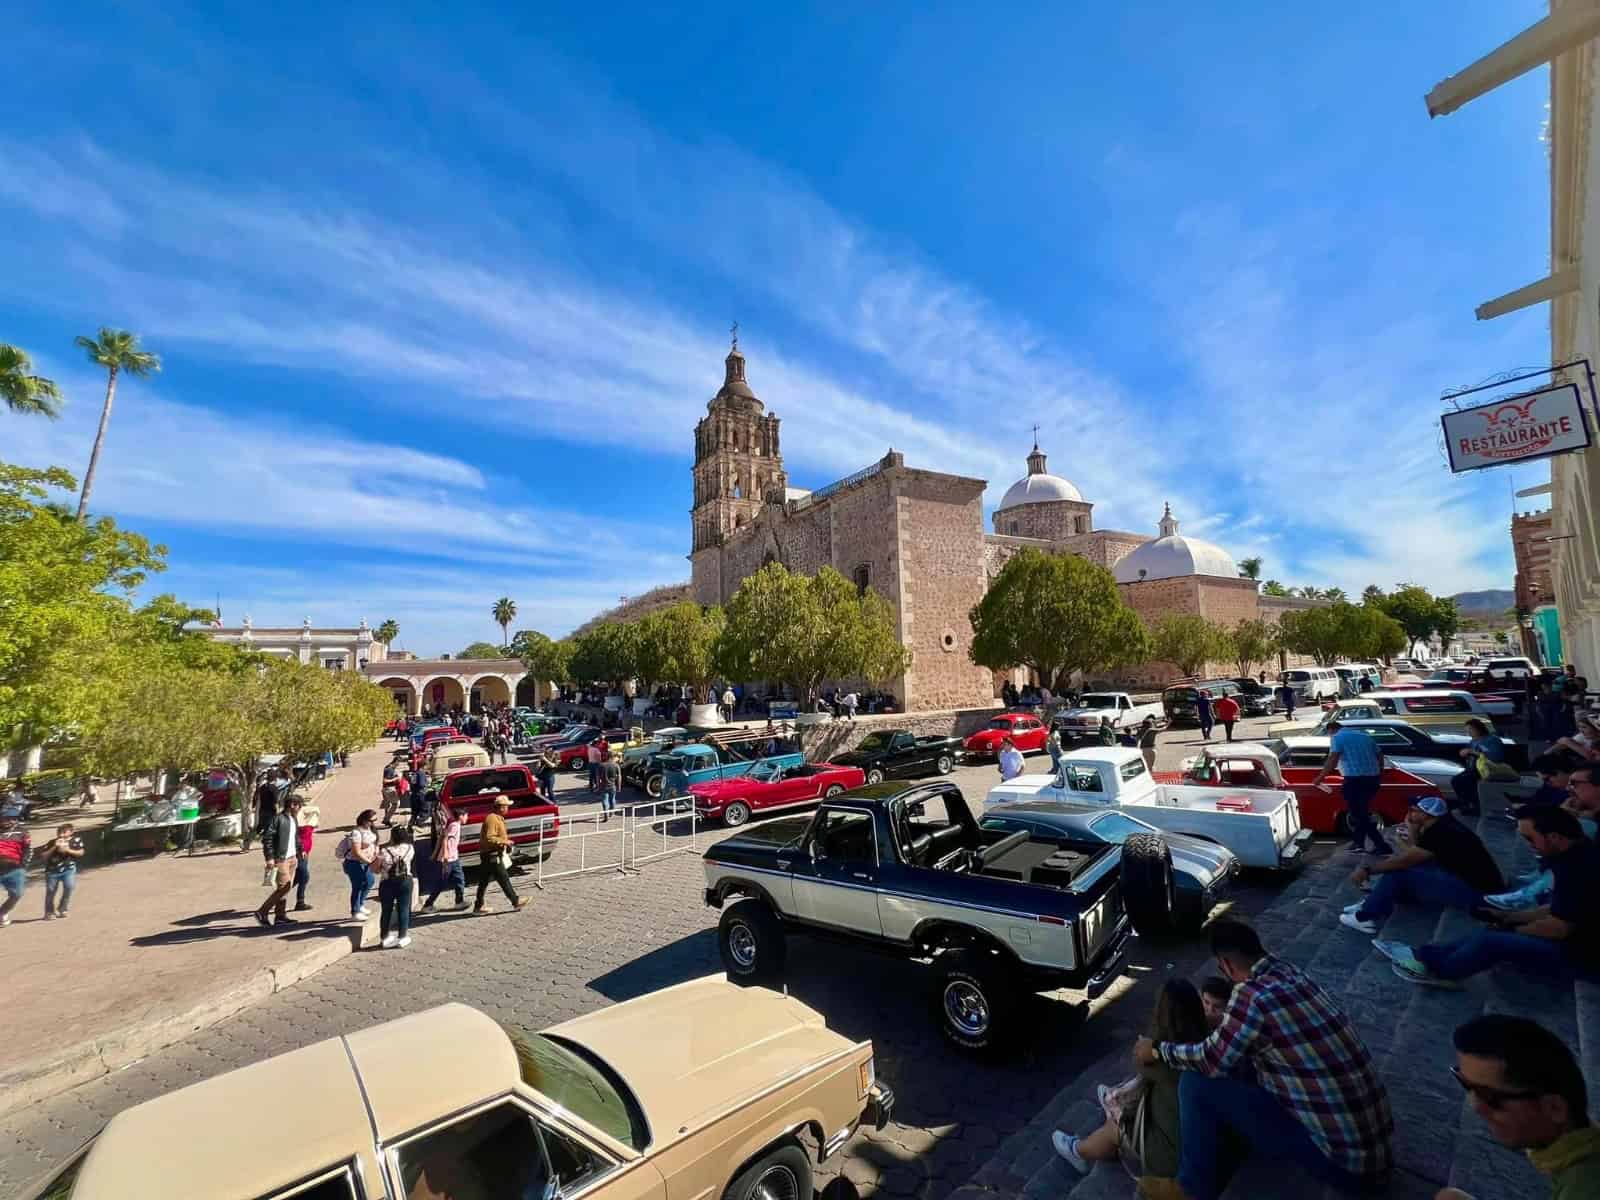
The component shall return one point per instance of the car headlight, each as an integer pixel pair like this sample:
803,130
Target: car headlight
867,1076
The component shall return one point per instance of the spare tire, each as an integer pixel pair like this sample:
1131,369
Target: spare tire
1149,891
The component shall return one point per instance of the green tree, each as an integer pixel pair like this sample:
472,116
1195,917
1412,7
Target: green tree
1373,596
1334,593
64,588
117,351
1418,612
1188,641
1252,642
1056,614
679,643
1273,588
1446,619
505,612
1250,568
21,390
547,661
803,631
606,653
1341,630
387,632
1313,631
480,650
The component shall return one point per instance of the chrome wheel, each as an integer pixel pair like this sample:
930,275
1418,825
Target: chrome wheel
777,1182
742,945
944,764
735,814
966,1008
874,776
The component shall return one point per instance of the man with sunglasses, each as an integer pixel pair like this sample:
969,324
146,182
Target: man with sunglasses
1559,939
1527,1088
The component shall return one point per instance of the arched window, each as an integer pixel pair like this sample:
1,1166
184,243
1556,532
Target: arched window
738,488
1082,524
862,576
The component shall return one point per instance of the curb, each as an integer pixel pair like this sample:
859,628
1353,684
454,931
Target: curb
60,1072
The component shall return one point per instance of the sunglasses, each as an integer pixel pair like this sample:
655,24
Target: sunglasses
1491,1098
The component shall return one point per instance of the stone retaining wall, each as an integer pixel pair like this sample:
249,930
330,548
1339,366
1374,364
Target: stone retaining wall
824,741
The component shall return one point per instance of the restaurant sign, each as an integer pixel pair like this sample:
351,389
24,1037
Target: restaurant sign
1517,428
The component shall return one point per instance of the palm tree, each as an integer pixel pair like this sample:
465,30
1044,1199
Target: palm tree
1334,593
1250,568
505,612
23,391
116,350
387,632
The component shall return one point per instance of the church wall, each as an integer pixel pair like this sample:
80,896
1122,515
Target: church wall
1054,520
940,532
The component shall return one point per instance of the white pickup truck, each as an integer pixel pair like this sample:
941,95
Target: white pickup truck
1083,719
1260,825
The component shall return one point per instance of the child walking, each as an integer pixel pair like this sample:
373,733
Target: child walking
61,870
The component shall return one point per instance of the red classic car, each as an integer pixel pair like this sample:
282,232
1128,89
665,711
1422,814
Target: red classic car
769,787
1027,734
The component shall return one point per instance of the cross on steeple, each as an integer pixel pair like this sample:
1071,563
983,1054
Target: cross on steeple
734,333
1036,437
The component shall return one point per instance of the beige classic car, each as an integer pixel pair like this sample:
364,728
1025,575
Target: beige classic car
701,1090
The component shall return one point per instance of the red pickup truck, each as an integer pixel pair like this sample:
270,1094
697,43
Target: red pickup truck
531,819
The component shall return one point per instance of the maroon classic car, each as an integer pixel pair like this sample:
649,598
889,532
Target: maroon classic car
770,787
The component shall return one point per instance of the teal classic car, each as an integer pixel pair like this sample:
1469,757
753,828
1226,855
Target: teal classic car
699,763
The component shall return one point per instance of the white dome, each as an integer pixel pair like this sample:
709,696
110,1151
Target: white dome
1039,489
1172,556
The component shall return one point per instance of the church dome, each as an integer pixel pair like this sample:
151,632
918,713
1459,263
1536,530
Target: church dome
734,385
1172,556
1038,486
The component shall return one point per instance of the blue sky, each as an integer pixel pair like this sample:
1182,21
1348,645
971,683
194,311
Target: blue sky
441,295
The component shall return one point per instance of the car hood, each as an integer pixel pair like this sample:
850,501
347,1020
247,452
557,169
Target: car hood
988,737
767,836
696,1050
1096,713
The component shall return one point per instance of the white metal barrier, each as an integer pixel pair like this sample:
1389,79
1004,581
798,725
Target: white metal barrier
665,828
598,845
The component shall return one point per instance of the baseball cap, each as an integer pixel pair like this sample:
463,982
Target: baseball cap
1434,806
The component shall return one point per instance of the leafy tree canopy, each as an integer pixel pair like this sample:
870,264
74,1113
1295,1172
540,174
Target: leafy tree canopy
1273,588
1252,642
481,650
1055,613
1188,641
547,661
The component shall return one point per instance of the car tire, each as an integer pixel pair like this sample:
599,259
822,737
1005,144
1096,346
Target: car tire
976,1000
1149,892
944,764
782,1173
652,787
751,941
875,775
736,814
834,789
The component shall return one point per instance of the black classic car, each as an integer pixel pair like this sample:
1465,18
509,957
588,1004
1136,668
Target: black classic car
891,753
906,868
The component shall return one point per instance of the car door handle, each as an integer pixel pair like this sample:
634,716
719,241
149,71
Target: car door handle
859,875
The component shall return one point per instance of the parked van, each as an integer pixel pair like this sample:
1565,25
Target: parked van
1181,701
1312,683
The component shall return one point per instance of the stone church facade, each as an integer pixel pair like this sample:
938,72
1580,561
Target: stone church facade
918,538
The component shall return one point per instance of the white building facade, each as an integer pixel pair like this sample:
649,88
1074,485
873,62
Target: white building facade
334,649
419,684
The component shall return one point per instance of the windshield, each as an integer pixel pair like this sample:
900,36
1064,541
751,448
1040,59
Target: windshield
1117,828
1180,693
765,772
998,723
1296,676
874,741
577,1081
1097,700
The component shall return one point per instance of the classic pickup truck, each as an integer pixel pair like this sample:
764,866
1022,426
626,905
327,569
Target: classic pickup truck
889,753
905,868
1260,825
1083,719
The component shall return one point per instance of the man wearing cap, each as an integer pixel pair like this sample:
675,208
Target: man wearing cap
1445,866
494,843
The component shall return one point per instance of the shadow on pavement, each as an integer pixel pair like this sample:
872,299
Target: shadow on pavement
243,924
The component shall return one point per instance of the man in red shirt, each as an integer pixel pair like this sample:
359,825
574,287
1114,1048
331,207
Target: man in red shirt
1227,710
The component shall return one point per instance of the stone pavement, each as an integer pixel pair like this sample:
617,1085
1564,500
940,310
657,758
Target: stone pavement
961,1124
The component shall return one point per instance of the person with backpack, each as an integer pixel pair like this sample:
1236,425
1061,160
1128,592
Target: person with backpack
447,857
16,850
397,865
358,850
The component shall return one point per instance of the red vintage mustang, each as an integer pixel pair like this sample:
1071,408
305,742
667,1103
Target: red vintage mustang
1027,734
769,787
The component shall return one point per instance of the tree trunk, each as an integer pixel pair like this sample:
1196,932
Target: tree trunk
99,440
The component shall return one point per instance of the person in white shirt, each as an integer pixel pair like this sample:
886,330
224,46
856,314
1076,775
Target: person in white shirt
1010,760
851,700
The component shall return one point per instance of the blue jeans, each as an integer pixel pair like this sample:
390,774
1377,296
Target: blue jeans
450,875
1425,885
1224,1121
66,880
608,799
547,781
1359,792
360,876
302,876
14,882
1482,950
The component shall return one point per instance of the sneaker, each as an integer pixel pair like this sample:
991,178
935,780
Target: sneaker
49,916
478,908
261,920
1356,907
460,904
286,921
1401,955
404,942
1067,1147
1350,921
1509,901
522,903
1102,1093
361,914
390,940
62,915
302,907
1421,975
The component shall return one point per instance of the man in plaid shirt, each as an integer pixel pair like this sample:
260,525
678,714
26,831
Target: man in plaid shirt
1316,1100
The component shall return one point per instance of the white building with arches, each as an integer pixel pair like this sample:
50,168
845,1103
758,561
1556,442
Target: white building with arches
469,683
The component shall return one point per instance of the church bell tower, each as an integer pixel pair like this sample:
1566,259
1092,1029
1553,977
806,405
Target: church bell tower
737,469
